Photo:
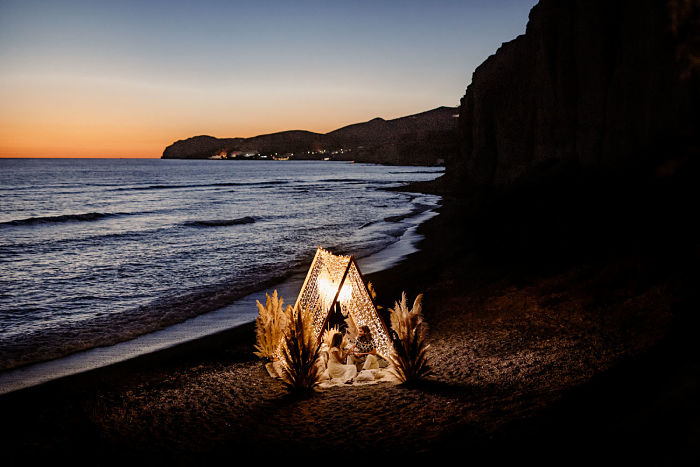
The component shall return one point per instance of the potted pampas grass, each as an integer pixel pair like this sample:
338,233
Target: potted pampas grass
328,335
300,352
269,326
409,357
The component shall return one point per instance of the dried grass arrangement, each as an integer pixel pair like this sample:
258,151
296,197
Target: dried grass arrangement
300,352
269,326
328,336
409,357
350,330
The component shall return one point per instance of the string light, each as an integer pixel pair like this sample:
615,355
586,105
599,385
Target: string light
320,288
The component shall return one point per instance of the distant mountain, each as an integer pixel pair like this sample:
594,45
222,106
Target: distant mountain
379,130
427,138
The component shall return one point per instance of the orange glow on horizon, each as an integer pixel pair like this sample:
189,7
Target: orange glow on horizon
83,116
78,116
96,79
80,138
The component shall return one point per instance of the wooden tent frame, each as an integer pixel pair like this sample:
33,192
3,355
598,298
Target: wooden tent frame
337,279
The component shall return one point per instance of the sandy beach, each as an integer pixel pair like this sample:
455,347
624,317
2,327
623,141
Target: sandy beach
576,362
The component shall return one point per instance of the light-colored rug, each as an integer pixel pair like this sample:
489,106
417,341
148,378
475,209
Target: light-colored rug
363,378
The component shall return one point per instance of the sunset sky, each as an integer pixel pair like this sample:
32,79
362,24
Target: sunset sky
127,78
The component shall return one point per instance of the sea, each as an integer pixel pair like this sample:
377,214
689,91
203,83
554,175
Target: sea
119,257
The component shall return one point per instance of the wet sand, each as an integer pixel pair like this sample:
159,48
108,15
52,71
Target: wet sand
570,366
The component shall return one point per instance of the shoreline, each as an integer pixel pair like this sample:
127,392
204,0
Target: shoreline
240,313
515,370
232,345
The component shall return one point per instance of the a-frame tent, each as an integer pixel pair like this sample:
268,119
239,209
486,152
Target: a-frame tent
337,279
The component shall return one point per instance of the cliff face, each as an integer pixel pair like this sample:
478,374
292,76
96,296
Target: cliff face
579,140
591,84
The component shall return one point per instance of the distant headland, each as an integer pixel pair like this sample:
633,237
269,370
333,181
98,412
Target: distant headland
427,138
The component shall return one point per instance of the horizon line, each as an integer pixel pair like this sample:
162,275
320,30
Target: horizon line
80,157
263,133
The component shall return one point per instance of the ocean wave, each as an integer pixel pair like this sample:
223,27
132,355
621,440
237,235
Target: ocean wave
417,209
269,182
206,185
75,336
343,180
221,222
42,245
435,172
85,217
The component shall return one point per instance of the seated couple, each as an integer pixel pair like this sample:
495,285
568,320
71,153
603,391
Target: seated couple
361,355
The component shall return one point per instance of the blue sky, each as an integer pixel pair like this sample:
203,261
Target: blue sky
91,74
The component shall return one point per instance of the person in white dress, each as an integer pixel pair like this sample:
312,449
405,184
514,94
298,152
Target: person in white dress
337,361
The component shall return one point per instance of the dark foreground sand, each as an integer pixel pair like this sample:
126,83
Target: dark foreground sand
580,365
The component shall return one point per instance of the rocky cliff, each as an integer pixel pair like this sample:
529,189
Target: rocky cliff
595,84
580,139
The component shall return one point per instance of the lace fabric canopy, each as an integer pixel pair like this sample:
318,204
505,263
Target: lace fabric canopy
334,278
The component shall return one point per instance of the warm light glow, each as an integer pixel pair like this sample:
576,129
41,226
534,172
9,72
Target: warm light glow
328,288
321,286
88,117
345,293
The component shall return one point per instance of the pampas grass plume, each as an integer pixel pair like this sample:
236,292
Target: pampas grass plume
269,326
408,360
300,352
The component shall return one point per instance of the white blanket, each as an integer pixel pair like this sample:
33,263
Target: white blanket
363,378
